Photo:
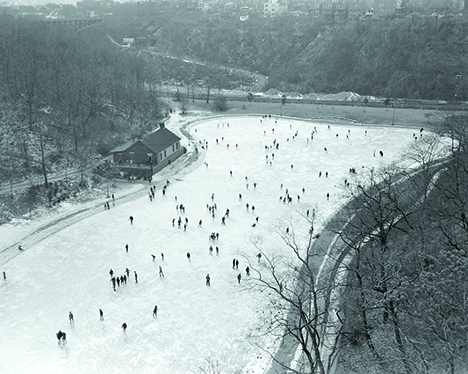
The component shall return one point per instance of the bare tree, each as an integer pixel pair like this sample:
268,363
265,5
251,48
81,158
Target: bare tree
297,298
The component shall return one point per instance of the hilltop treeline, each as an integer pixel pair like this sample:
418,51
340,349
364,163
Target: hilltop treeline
66,96
417,58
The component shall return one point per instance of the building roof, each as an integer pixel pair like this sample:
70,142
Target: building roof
157,141
123,147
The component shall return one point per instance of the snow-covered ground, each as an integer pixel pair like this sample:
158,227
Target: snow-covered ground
196,324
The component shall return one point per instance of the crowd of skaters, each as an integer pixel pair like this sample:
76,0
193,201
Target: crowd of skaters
118,281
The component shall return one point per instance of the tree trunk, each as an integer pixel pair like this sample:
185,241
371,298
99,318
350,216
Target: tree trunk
399,340
364,313
43,162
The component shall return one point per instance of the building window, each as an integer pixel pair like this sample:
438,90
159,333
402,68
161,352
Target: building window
164,154
160,156
173,147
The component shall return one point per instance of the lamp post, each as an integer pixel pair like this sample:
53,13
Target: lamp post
150,160
393,119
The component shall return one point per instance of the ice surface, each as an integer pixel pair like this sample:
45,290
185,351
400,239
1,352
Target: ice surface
68,271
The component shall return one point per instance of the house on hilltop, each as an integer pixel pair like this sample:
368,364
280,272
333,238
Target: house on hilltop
149,155
273,7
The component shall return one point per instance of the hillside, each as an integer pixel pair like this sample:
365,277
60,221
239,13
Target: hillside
417,58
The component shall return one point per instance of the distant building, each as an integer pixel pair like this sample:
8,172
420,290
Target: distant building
300,5
274,7
383,8
337,12
128,42
244,13
208,6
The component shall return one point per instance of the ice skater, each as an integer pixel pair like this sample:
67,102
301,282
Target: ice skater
70,317
4,276
208,280
62,337
124,327
161,274
101,315
239,277
126,248
155,311
131,220
188,257
136,276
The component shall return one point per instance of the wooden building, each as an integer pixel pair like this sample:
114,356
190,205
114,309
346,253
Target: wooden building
145,157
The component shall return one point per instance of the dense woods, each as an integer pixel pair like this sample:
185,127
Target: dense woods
405,303
67,97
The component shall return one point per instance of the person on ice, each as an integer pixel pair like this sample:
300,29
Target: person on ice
101,315
208,279
239,277
136,276
70,317
124,327
155,311
62,337
131,220
188,256
161,274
